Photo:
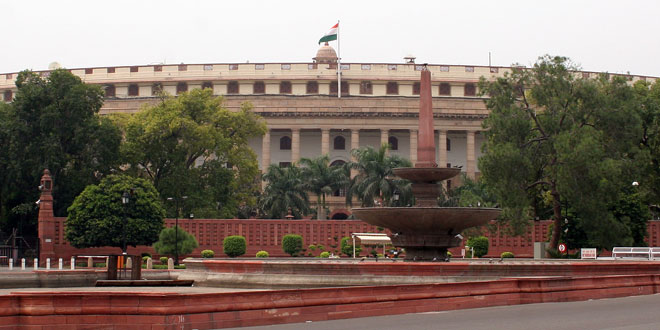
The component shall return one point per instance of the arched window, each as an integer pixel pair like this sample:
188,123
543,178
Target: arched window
339,143
133,90
109,90
181,88
207,84
394,143
285,143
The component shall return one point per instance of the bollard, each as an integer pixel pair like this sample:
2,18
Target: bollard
73,263
36,263
11,263
90,262
170,263
129,263
47,263
107,260
61,264
22,263
150,263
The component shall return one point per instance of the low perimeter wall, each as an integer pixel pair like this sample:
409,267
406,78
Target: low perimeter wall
152,310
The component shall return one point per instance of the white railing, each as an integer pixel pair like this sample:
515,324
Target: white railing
636,252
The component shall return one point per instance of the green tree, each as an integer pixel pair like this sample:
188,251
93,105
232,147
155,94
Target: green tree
471,193
98,217
375,181
192,146
53,122
556,136
285,189
647,106
322,179
169,242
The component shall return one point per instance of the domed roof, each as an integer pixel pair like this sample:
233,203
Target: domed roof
326,54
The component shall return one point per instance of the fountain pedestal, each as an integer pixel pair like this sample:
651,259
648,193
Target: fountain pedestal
426,231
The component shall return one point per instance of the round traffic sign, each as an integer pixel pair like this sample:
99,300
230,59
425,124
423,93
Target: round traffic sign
562,247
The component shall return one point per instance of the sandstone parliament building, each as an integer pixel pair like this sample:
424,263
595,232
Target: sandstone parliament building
305,117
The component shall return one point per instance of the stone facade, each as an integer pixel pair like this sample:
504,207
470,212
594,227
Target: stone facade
305,118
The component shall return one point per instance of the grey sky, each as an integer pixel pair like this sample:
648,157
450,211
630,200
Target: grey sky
614,36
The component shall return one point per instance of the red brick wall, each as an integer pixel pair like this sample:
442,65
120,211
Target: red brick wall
267,235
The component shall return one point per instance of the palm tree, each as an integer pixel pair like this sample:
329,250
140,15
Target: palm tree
284,191
322,179
375,183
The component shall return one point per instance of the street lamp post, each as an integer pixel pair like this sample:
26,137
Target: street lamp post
176,226
125,199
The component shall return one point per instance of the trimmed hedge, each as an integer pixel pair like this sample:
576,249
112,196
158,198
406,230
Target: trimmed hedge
479,244
234,246
347,247
292,244
208,254
324,254
262,254
163,260
507,255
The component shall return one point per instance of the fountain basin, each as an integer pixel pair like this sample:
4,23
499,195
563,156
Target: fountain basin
426,220
426,174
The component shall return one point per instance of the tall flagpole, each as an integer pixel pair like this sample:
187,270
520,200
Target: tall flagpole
338,63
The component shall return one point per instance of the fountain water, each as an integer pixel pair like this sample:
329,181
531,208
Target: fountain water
426,231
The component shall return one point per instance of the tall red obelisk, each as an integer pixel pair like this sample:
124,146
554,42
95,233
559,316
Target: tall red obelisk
426,136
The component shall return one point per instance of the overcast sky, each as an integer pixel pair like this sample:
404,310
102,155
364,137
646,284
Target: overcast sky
614,36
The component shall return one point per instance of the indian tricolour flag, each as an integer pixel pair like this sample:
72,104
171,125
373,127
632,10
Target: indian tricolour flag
330,35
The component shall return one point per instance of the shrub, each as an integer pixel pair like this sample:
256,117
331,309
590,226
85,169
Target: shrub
347,247
262,254
324,254
145,254
312,247
145,258
292,244
208,254
163,260
234,246
320,247
506,255
449,254
479,244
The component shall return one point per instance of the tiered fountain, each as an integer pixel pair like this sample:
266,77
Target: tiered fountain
426,231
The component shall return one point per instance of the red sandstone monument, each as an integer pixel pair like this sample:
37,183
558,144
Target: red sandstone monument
426,231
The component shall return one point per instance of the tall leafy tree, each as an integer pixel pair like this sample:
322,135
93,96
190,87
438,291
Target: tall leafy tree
647,105
322,179
192,146
53,122
285,190
556,135
98,217
375,182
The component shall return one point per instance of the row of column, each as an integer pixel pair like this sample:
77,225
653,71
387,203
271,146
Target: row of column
384,136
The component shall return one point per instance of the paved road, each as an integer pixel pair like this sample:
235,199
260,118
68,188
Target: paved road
629,313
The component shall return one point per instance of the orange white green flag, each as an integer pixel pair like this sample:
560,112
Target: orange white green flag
330,35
